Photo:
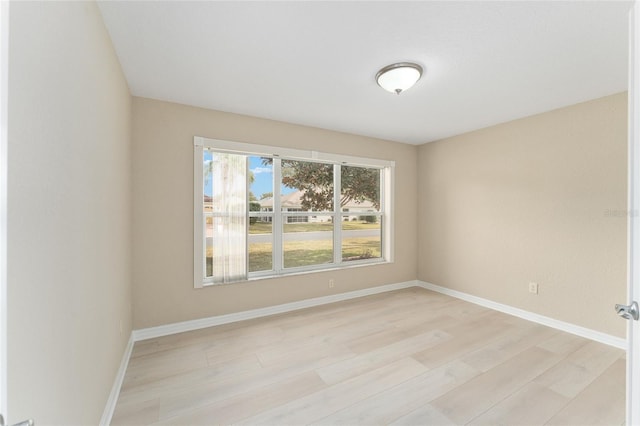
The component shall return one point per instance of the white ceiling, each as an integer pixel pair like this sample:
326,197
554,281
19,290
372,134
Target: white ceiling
314,63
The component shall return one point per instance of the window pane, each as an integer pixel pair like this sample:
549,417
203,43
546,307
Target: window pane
307,243
361,237
227,176
260,244
306,186
260,184
208,208
208,181
226,182
229,261
360,189
208,231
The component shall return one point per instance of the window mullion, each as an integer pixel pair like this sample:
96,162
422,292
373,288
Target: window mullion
337,215
277,218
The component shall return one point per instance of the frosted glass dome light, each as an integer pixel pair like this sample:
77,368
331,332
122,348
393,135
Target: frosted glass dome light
396,78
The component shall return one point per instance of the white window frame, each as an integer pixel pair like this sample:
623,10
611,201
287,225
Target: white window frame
277,153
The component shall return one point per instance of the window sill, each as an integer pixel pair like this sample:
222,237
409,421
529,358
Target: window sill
360,264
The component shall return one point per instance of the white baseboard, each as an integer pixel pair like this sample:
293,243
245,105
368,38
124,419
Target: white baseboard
180,327
598,336
117,384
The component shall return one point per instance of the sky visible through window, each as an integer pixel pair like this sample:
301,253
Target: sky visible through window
263,175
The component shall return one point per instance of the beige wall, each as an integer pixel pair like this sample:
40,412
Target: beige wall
527,201
69,214
163,213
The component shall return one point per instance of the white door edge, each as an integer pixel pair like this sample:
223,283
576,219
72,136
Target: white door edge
4,85
633,327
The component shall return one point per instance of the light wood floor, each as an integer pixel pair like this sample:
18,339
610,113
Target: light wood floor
408,357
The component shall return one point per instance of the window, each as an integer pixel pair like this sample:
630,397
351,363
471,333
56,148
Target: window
263,211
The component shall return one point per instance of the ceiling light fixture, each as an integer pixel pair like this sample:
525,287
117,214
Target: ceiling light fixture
397,78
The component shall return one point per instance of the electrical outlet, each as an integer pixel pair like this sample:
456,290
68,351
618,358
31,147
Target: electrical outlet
331,283
533,288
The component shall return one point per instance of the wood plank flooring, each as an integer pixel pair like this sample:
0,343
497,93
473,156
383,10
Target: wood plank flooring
408,357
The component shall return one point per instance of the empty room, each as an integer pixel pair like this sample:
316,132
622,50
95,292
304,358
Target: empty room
322,212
